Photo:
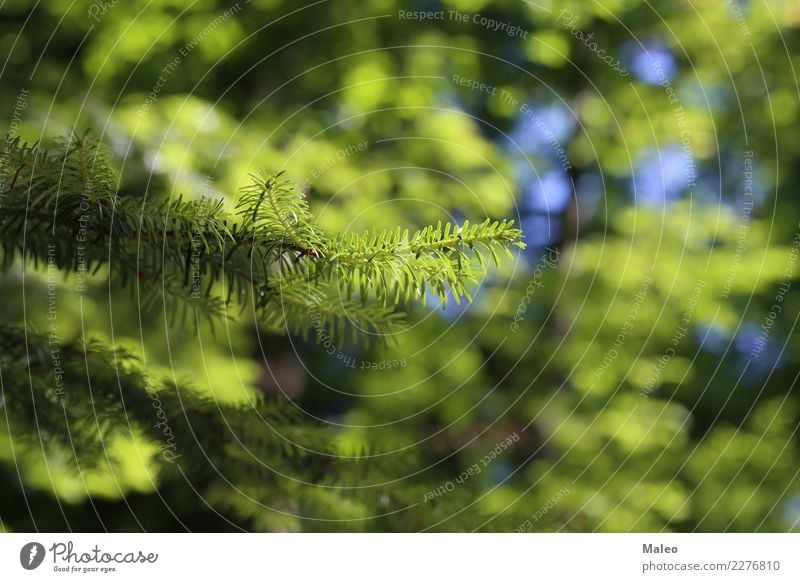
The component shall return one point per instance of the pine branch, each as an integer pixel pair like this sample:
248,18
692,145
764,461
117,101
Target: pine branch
193,259
270,249
442,258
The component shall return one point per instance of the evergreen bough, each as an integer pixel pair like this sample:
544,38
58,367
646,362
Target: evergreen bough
61,207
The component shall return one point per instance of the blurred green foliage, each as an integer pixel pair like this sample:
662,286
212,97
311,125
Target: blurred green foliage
360,106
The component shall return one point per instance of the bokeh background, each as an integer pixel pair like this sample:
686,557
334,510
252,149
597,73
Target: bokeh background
634,369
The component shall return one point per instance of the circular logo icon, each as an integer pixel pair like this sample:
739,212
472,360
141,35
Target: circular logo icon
31,555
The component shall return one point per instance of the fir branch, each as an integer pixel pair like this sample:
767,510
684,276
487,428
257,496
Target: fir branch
442,257
270,249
